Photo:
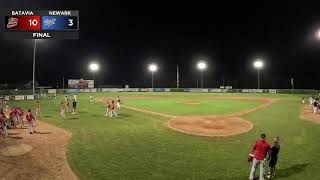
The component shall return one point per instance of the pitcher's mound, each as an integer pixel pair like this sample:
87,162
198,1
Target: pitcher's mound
16,150
210,126
189,102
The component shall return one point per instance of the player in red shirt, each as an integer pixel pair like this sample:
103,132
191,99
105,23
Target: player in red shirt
62,110
31,121
260,149
113,109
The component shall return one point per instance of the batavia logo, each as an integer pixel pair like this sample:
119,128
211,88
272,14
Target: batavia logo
12,22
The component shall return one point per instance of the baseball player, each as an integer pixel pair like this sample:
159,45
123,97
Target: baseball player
3,124
6,107
15,116
302,100
311,101
66,99
91,99
31,120
108,109
113,109
315,106
38,110
74,106
118,102
62,110
20,116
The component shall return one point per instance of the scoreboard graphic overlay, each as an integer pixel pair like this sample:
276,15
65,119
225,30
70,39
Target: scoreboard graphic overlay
42,24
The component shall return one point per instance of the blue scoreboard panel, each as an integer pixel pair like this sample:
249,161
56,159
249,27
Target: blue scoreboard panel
42,24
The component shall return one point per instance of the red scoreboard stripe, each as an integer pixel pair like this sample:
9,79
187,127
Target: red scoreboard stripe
23,23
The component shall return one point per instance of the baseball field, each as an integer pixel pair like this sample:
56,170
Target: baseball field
174,136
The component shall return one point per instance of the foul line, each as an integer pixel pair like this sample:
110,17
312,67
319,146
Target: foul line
150,112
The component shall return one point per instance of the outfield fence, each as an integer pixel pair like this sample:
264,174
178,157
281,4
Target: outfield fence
27,94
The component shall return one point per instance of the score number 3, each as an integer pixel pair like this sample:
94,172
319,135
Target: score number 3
70,22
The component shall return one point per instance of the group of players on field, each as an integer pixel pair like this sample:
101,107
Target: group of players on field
14,117
314,104
111,109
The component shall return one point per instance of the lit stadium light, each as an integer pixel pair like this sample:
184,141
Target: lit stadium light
153,67
258,64
201,66
94,67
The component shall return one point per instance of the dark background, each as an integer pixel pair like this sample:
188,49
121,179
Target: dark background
124,35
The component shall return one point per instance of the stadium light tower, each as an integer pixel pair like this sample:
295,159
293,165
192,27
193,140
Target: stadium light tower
94,67
153,68
201,66
258,64
34,64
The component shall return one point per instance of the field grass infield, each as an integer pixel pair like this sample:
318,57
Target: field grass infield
139,146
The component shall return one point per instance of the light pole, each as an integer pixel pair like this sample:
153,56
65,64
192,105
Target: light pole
93,68
258,64
201,66
34,65
153,68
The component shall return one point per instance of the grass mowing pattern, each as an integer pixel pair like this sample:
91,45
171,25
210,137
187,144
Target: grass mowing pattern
137,146
206,107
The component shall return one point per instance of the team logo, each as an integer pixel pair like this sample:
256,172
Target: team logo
49,22
12,22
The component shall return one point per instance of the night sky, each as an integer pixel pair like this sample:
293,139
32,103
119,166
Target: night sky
124,36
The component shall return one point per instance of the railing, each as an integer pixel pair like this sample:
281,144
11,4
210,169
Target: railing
194,90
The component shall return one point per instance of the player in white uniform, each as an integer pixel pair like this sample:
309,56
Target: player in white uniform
91,99
38,110
311,101
118,102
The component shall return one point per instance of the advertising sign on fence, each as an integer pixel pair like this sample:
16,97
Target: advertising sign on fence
70,91
198,90
144,90
272,91
110,90
30,97
18,98
80,83
52,91
216,90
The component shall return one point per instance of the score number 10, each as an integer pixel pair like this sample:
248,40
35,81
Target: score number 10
33,22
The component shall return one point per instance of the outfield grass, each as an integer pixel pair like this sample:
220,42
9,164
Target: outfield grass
174,106
138,146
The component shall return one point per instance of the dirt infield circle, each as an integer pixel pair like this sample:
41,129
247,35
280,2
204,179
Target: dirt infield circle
210,126
16,150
